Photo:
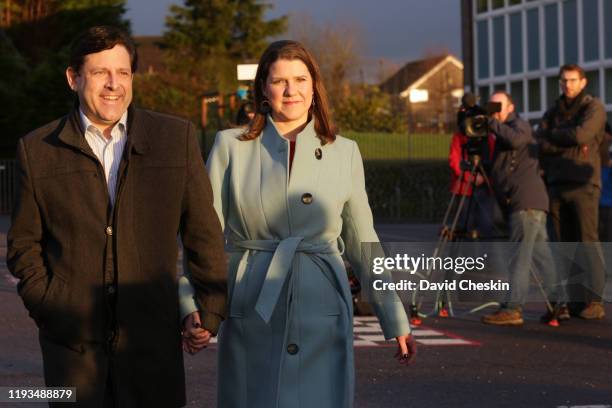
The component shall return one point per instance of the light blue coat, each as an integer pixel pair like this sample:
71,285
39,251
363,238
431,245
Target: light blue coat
288,341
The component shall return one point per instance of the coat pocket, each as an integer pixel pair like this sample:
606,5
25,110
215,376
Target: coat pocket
51,305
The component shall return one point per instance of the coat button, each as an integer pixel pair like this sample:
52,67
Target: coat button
292,349
109,230
318,153
111,289
307,198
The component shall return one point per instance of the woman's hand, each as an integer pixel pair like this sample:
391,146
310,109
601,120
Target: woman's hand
194,337
406,349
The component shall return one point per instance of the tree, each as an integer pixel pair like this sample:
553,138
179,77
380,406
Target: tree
205,39
34,50
336,48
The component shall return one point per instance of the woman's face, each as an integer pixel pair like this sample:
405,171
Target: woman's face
289,89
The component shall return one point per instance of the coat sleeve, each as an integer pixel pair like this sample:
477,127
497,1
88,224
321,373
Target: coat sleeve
513,135
24,255
361,242
218,171
590,125
454,155
202,242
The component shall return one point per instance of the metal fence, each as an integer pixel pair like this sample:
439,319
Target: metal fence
7,185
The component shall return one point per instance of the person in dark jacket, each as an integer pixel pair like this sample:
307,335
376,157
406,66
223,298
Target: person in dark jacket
570,135
522,194
101,196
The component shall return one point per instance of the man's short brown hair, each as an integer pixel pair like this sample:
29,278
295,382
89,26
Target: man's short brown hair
572,67
100,38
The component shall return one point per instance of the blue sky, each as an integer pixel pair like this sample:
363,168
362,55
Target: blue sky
398,30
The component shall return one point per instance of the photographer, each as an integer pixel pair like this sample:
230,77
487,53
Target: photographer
522,194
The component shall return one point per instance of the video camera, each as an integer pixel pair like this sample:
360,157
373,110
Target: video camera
473,119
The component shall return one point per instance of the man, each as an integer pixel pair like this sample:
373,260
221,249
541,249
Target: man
570,135
521,192
101,195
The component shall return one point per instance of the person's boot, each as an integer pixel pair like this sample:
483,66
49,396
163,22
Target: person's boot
594,310
504,317
564,313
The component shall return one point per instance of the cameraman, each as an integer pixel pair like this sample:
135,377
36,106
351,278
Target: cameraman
521,192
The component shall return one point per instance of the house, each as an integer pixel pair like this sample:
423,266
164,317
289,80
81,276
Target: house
431,88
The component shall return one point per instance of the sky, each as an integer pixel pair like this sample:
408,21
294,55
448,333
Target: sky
396,30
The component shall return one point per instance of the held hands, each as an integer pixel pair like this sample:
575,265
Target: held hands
406,349
195,337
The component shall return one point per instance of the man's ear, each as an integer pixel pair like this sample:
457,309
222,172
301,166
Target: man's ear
71,78
511,108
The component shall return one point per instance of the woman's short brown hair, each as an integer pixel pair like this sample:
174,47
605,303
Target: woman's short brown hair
291,50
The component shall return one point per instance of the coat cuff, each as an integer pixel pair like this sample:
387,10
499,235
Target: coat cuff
393,319
211,322
187,303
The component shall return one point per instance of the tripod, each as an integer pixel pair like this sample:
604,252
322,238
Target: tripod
449,231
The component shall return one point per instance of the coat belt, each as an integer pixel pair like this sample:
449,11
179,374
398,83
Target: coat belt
280,265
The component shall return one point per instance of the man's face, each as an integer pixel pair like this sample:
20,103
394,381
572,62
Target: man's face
571,83
104,85
506,107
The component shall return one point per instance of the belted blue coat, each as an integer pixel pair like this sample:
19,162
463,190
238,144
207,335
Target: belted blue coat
288,340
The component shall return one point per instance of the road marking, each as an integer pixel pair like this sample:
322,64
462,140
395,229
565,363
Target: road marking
368,333
584,406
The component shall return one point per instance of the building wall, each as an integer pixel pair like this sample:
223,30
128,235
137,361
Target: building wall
519,45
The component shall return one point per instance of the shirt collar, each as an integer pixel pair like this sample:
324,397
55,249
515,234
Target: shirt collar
87,123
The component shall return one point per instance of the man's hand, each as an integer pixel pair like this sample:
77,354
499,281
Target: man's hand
479,180
195,337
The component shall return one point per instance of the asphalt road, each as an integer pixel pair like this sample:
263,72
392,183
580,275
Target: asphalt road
529,366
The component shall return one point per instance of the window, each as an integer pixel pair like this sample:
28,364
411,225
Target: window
609,85
516,43
570,31
499,87
514,2
534,95
592,82
497,4
551,35
552,90
482,6
516,91
608,28
610,118
499,46
533,40
483,49
483,93
590,29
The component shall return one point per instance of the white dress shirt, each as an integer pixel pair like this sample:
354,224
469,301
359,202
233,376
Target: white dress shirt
108,151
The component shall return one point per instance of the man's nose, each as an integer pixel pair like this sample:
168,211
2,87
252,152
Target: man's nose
111,81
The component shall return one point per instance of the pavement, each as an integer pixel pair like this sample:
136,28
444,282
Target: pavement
460,363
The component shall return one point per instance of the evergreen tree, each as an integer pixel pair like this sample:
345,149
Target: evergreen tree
205,39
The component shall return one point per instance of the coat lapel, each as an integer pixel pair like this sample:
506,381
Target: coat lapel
274,153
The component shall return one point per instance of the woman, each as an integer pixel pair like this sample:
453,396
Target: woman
289,193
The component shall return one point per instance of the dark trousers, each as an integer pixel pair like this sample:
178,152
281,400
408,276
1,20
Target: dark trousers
574,211
605,224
